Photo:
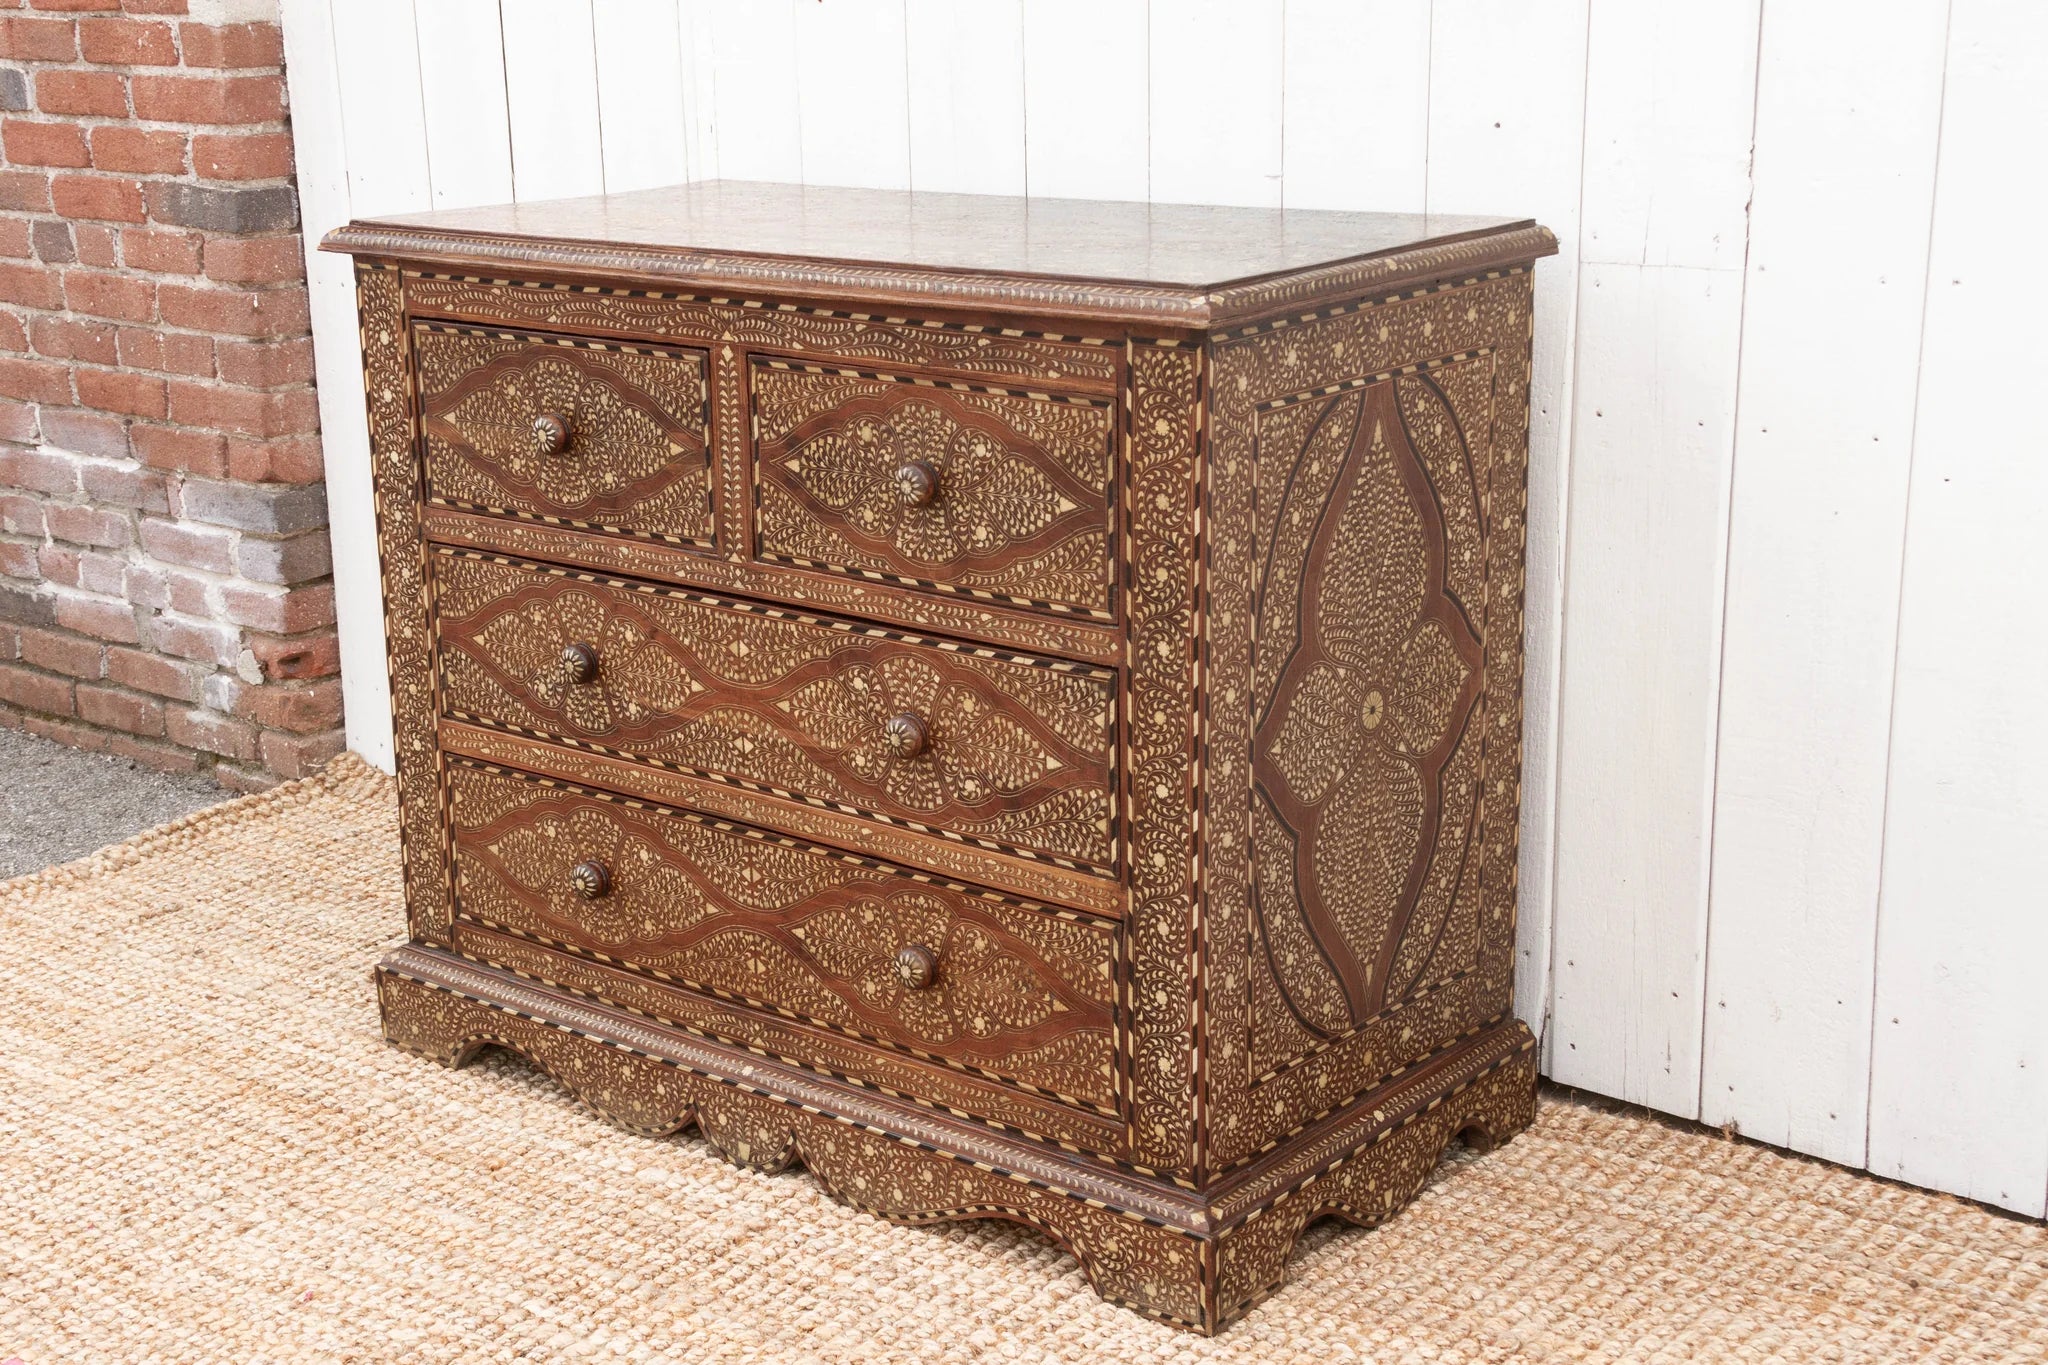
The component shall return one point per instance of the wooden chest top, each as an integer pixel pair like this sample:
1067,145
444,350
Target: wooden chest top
1185,265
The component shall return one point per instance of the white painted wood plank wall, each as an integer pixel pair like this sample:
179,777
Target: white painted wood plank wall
1669,94
1959,1037
1786,829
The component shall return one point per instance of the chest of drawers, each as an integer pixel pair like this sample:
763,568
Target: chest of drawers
1014,705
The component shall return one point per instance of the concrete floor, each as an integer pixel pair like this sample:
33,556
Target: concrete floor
57,804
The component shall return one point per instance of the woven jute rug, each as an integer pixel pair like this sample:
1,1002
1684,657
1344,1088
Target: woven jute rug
208,1154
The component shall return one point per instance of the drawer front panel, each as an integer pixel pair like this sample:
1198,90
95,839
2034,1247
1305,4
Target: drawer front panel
597,435
946,487
1008,1105
1003,750
946,972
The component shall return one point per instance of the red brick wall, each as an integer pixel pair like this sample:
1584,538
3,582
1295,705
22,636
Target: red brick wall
164,588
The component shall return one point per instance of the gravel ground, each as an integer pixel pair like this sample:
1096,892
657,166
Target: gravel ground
57,804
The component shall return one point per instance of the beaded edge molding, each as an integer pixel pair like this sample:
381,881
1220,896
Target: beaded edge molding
1163,305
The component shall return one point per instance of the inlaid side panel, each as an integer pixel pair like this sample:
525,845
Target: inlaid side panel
953,488
408,603
1162,566
945,972
1365,702
577,433
1365,756
1006,750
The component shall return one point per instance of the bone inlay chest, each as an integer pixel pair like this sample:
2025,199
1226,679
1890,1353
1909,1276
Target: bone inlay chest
1014,705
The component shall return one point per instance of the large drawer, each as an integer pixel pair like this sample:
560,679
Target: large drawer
1003,750
948,973
597,435
938,485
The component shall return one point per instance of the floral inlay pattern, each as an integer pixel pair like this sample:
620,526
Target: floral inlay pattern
798,929
636,457
1008,494
1017,753
641,678
1363,717
985,752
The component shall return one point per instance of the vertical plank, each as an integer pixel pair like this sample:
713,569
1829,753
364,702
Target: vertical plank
1085,101
321,155
319,144
1506,110
462,86
383,117
700,83
753,52
1959,1065
1670,113
1670,92
640,93
1216,141
1356,105
1653,400
551,85
965,65
853,94
1846,119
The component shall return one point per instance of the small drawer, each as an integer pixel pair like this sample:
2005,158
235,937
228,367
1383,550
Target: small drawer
601,436
1003,750
937,485
949,973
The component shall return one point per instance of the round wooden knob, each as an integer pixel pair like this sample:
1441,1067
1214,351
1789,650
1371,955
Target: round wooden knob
918,482
579,662
906,735
591,880
551,433
916,965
